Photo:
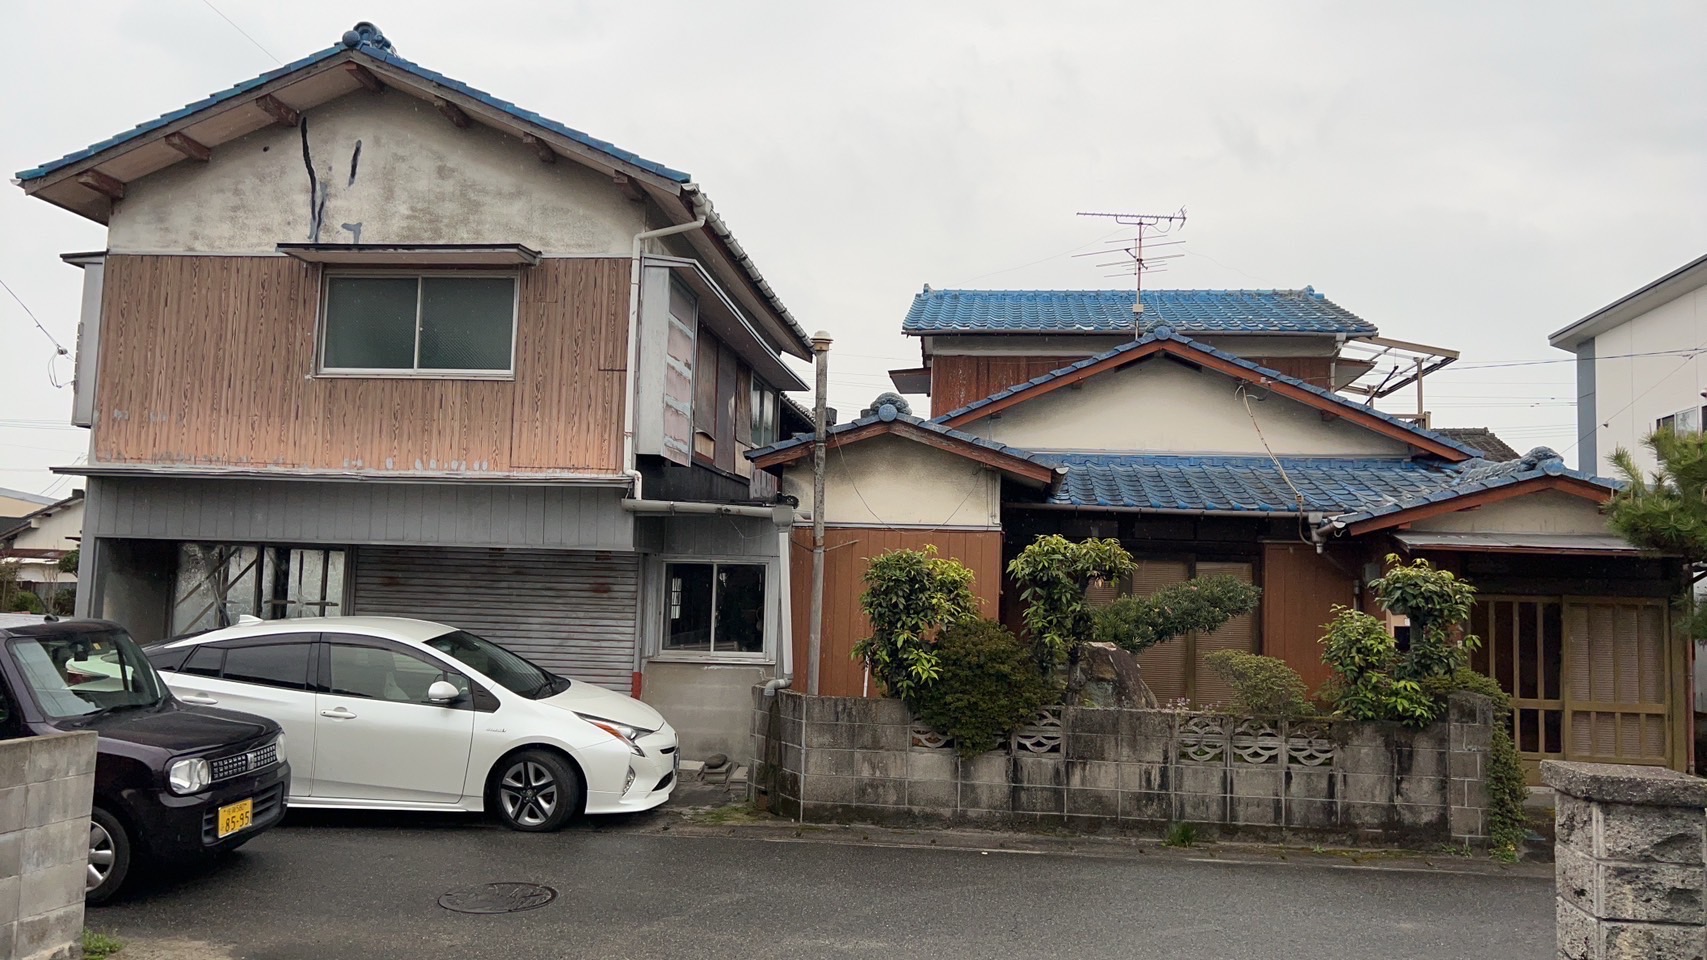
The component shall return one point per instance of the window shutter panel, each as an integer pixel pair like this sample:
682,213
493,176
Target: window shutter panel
1163,665
1238,633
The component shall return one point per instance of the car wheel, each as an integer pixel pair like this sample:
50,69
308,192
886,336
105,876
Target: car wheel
535,791
109,857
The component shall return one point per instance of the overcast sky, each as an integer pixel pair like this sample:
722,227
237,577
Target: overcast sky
1457,174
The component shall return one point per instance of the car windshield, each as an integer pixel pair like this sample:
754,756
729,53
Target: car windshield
76,674
498,665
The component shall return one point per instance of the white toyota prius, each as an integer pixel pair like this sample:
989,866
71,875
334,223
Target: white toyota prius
386,713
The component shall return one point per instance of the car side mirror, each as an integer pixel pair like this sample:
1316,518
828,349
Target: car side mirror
442,691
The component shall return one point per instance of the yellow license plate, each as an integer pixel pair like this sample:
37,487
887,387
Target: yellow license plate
235,816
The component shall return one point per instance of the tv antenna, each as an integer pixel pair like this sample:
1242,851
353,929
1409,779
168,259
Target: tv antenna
1135,260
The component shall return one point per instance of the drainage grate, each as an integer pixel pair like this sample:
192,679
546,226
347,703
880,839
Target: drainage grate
498,898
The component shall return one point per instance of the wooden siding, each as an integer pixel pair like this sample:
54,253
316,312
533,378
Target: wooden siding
847,555
958,380
1299,589
211,360
1316,371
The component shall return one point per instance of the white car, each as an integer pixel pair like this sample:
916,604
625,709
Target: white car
386,713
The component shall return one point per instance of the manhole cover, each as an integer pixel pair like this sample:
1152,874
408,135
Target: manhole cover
498,898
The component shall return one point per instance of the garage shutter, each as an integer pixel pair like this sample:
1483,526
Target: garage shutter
570,612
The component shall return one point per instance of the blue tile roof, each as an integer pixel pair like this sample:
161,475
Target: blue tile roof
1476,476
371,43
888,413
1164,333
1254,484
1110,311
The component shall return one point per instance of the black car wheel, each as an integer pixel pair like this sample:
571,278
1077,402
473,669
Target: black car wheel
535,791
109,857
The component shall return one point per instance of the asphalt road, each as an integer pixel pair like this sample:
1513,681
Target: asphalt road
327,887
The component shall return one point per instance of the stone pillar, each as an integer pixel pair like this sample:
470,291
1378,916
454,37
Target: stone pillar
1630,862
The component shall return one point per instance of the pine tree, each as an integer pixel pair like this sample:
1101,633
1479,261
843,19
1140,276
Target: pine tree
1667,510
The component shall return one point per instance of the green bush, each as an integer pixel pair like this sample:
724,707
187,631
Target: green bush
24,601
1052,574
910,596
1437,603
1262,686
1139,623
1365,657
987,685
64,601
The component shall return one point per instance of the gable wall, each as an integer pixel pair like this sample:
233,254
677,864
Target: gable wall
1547,511
1160,405
890,480
418,179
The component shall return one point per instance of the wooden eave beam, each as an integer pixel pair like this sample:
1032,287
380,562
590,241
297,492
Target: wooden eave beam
281,112
990,458
111,187
541,149
627,187
451,112
1405,518
365,77
188,147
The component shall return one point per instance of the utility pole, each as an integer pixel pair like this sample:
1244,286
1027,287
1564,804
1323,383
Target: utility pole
815,645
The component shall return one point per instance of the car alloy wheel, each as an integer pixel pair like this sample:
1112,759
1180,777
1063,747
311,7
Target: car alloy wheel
529,793
101,856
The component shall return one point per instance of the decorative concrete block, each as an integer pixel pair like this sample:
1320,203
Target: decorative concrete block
1094,803
880,792
1647,834
1146,805
1144,777
49,934
986,796
931,765
1042,770
1093,775
881,764
1039,800
939,796
1653,893
1366,788
829,763
1090,746
1648,941
992,767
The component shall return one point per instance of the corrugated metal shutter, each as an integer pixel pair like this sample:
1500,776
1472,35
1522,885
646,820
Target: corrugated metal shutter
571,612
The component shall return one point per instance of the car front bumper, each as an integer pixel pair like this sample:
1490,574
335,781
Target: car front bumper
174,827
650,779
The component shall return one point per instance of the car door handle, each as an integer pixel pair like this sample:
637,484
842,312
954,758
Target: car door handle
338,713
200,699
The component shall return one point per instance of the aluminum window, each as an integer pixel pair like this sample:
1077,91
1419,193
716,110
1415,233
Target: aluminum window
432,324
714,608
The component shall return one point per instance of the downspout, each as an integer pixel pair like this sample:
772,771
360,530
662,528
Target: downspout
634,274
785,602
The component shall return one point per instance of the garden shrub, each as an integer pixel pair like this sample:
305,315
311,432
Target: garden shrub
1262,686
1365,658
1437,603
1052,574
1136,624
910,596
986,686
23,601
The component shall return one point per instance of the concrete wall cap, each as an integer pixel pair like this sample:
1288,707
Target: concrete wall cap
1625,783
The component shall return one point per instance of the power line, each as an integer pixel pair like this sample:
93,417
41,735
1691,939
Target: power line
245,33
58,348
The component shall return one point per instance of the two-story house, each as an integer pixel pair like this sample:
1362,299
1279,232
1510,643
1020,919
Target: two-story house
1233,433
365,339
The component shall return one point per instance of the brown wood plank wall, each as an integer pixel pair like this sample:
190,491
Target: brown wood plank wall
958,380
1299,590
210,361
847,555
1316,371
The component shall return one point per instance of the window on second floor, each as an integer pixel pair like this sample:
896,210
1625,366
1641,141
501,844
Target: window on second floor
1685,421
400,324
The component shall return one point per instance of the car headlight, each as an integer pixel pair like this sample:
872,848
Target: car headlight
279,747
188,776
627,733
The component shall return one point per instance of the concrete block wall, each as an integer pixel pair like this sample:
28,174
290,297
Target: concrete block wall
1090,769
1630,861
47,785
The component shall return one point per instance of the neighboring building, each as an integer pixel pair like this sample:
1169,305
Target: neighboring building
365,339
16,503
1640,366
35,543
1202,458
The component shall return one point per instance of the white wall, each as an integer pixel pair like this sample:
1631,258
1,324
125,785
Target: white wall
1162,406
60,530
899,482
1548,511
1631,393
419,179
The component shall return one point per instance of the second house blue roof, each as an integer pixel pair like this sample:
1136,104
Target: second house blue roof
1255,484
1110,311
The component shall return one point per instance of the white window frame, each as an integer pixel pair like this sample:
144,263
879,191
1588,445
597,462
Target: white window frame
416,372
660,598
